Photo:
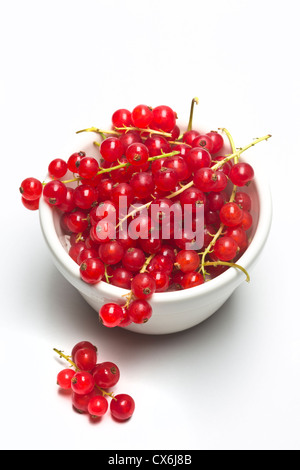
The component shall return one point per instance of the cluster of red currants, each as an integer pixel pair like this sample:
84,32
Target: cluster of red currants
145,160
90,381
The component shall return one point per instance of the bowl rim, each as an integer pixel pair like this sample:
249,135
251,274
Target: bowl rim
230,276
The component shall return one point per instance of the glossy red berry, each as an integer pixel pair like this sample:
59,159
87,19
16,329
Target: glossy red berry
241,173
121,117
73,161
31,189
82,383
121,277
86,359
191,279
31,205
142,116
225,248
85,196
164,118
64,378
122,407
137,154
189,136
88,167
97,406
203,141
139,311
133,259
82,345
197,158
143,286
57,168
106,374
187,261
111,315
55,192
111,252
111,149
217,141
92,270
162,281
231,214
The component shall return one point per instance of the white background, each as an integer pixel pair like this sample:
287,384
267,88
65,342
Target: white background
232,382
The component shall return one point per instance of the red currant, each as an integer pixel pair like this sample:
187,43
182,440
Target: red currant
64,378
85,359
97,406
57,168
121,118
82,383
139,311
122,407
106,374
111,315
137,154
217,140
164,118
231,214
143,286
111,149
241,173
55,192
92,270
111,252
31,189
187,260
82,345
225,248
142,116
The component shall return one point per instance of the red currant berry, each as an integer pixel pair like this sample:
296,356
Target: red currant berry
243,200
217,140
55,192
57,168
165,179
64,378
139,311
82,383
31,189
225,248
31,205
88,167
189,136
111,315
247,220
162,281
106,374
133,259
121,118
75,250
111,149
80,402
121,277
216,201
104,189
85,196
68,205
92,270
137,154
187,261
198,158
76,221
103,231
142,184
180,166
130,137
241,174
73,160
97,406
111,252
142,116
203,141
231,214
85,359
192,198
122,407
205,179
191,279
82,345
239,235
164,118
157,145
143,286
85,254
123,191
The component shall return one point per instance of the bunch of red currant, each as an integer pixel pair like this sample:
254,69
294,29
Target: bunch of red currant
147,162
89,382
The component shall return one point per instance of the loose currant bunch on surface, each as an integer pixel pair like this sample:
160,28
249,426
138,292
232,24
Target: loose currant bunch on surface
123,210
89,382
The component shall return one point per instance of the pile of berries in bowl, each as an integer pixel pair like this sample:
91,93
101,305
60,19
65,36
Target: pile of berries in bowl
154,222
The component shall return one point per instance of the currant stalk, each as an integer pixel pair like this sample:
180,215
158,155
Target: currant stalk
190,124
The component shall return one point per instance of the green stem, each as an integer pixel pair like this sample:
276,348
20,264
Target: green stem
232,265
190,124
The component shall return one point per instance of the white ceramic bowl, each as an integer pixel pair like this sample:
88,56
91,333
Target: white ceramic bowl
172,311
